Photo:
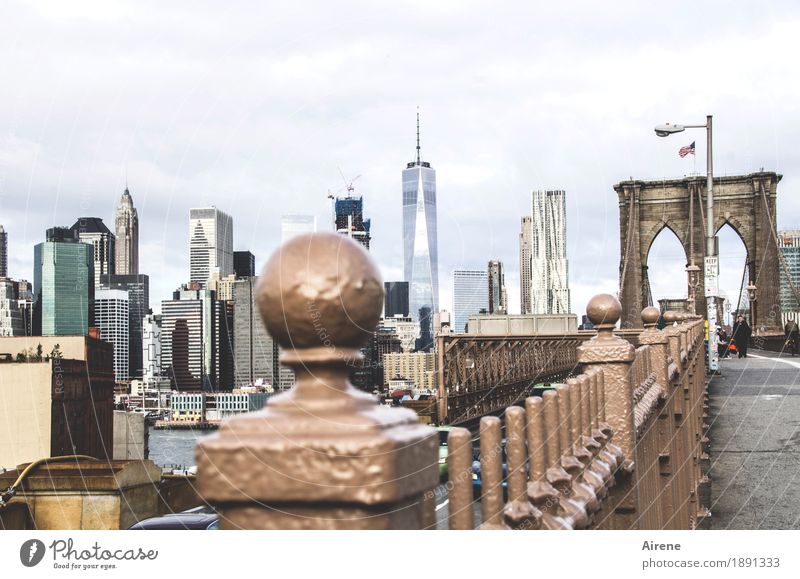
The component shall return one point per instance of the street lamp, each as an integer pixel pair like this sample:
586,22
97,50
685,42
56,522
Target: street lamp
711,261
693,275
752,296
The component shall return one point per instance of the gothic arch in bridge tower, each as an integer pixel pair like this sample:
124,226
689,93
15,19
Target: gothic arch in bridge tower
649,241
746,202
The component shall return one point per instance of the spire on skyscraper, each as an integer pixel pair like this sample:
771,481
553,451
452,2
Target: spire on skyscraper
418,159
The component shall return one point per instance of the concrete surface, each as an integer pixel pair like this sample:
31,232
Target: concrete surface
754,414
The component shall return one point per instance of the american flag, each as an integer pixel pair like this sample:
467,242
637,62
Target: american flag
687,150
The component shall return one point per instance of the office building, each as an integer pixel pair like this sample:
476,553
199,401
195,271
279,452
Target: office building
3,252
187,338
404,327
244,264
12,322
396,299
470,296
420,249
416,366
137,286
255,353
789,244
63,284
112,315
350,220
24,292
58,398
498,299
221,286
525,254
294,225
210,244
424,343
549,268
151,348
126,227
93,231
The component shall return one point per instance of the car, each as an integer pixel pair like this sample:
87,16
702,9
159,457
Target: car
444,431
477,481
199,519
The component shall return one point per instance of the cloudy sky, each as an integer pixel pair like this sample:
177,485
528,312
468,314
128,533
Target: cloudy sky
256,106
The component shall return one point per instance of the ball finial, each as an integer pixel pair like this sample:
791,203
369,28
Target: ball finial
320,290
670,317
650,316
604,310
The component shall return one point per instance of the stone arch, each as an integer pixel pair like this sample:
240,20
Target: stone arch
647,207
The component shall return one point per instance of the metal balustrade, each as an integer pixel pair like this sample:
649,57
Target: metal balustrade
620,445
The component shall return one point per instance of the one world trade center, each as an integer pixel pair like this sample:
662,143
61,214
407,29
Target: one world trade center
420,250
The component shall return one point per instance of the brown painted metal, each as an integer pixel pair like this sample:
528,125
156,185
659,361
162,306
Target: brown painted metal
519,513
479,374
491,473
459,467
323,455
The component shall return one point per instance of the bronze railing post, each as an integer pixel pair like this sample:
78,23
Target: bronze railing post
667,446
323,455
614,357
682,461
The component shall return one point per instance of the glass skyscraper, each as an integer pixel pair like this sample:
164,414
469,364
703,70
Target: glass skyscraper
63,284
470,296
420,251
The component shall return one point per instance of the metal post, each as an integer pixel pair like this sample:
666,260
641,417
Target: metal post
711,259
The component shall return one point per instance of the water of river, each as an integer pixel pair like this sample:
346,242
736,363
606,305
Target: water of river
174,447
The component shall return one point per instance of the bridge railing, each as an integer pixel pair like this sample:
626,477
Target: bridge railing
618,446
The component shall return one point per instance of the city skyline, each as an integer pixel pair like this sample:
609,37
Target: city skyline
272,143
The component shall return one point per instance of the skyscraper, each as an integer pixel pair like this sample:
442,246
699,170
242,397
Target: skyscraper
151,348
126,226
137,286
470,295
498,299
350,219
549,267
12,322
3,252
789,244
111,309
244,264
396,299
63,284
255,352
294,225
93,231
525,252
210,244
420,252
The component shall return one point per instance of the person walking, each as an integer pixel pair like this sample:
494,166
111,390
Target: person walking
741,335
792,334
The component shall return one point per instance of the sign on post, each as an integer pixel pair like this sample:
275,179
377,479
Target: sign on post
711,279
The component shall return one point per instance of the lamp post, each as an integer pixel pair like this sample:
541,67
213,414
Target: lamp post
711,261
752,296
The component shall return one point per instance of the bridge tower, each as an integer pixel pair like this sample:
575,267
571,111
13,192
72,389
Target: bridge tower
746,202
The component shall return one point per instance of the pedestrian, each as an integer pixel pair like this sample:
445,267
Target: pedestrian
741,335
723,343
792,334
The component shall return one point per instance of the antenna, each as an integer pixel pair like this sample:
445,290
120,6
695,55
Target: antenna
418,161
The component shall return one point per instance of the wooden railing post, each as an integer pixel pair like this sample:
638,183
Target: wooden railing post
323,455
614,357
